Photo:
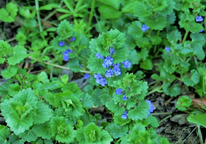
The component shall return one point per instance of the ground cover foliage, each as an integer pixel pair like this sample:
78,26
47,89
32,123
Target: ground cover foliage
99,71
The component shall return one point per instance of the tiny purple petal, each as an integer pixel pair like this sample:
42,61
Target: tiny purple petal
125,98
108,61
65,57
201,31
99,56
109,73
124,115
111,51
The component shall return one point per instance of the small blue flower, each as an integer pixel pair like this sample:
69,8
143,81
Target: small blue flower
127,64
111,51
67,51
61,43
109,73
117,70
66,57
99,56
124,97
124,115
107,61
199,19
167,49
144,27
86,76
151,107
118,91
73,39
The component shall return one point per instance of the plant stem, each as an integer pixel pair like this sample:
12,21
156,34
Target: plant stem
200,134
185,37
38,15
58,66
91,14
154,90
165,119
162,113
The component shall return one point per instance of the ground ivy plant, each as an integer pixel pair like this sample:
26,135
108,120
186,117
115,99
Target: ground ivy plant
117,48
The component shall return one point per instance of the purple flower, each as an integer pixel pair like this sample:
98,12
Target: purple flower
107,61
124,97
61,43
167,49
117,70
66,57
99,56
66,54
99,79
109,73
144,27
124,115
151,107
127,64
73,39
86,76
199,19
118,91
111,51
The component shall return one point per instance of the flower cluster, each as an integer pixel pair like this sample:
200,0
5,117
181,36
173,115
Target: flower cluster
99,79
66,54
151,107
112,69
144,27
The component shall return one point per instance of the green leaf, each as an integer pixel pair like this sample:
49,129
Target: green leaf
158,22
9,14
14,89
19,111
5,48
19,53
173,90
42,77
28,136
116,131
135,29
174,36
183,102
198,40
198,119
42,114
152,121
43,130
73,64
4,132
9,72
142,10
65,29
193,79
108,12
21,38
113,3
49,6
146,64
87,101
62,130
129,7
65,79
140,112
